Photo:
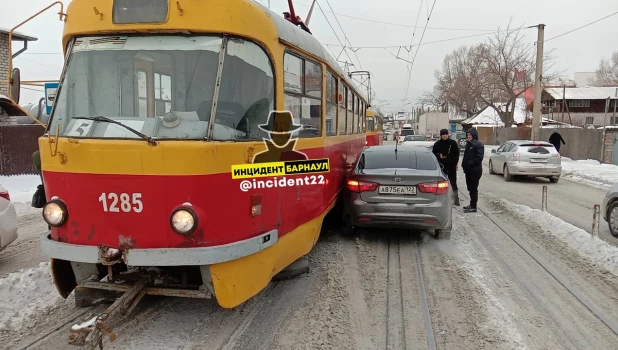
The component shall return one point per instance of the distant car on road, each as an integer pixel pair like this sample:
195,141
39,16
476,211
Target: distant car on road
416,140
526,158
610,209
460,138
403,189
8,219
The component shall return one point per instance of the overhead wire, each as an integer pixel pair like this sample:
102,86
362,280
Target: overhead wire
417,48
345,37
334,32
584,26
399,24
405,46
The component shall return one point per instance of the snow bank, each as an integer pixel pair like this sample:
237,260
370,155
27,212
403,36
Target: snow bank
590,248
24,294
21,189
590,172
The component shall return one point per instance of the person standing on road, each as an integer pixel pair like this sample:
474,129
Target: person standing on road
446,151
555,140
472,165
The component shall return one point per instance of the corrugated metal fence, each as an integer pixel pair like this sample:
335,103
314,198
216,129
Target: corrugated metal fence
17,143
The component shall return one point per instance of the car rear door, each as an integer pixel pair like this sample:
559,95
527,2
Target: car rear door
405,177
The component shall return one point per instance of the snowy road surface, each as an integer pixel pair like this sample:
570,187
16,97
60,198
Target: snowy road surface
572,201
483,291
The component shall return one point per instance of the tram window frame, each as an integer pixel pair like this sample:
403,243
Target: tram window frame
342,108
141,98
303,96
159,94
350,112
332,97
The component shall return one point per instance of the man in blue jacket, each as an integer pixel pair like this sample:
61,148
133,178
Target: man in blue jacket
472,165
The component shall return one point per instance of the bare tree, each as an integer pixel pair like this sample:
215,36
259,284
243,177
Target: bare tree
607,74
494,74
456,82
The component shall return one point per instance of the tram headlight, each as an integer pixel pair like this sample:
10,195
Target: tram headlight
184,221
55,213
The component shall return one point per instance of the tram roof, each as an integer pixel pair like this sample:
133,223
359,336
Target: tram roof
292,34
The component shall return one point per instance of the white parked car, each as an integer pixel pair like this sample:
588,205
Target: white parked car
417,140
526,158
8,219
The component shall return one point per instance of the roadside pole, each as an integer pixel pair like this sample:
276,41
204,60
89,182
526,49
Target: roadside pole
536,118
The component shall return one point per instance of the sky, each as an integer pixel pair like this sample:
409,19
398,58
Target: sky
376,45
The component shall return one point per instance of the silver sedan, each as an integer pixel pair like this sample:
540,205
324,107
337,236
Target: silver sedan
401,187
526,158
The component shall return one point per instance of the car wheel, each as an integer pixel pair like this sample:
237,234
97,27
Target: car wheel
348,229
554,179
491,168
612,218
507,175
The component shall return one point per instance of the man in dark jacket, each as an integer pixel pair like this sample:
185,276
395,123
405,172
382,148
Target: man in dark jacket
447,152
472,165
555,140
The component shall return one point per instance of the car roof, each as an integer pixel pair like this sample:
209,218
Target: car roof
519,142
384,149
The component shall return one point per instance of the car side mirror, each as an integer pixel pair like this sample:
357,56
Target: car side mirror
493,151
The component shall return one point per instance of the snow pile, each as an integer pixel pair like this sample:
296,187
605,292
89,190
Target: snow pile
24,294
21,189
590,248
590,171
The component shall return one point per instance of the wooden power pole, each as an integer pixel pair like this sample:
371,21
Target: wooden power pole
536,109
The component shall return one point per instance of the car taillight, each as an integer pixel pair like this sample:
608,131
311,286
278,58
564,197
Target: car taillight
440,187
557,155
361,186
5,195
516,155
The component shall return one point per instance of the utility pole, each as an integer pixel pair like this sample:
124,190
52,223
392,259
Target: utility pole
536,109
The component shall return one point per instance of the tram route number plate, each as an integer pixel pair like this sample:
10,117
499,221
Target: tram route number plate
397,190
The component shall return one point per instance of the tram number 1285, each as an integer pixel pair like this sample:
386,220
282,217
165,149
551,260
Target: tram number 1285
127,202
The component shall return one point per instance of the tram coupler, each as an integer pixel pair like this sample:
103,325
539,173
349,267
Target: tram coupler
90,333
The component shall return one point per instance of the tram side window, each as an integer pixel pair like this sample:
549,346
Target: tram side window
355,111
341,117
246,95
331,104
350,112
303,94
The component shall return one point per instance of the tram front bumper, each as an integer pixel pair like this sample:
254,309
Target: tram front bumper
199,256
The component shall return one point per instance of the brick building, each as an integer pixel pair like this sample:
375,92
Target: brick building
4,54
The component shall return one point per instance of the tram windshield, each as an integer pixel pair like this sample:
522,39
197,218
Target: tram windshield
164,87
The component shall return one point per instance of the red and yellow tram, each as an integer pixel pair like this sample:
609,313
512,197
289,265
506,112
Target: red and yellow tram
375,131
157,103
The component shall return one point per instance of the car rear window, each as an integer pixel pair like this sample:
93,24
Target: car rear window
402,160
407,132
538,149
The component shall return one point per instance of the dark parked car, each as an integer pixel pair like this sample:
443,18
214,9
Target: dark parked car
460,137
398,189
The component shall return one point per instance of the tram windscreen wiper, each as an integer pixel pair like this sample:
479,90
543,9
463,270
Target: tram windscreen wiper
112,121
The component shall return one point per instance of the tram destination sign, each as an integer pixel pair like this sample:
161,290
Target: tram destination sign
310,166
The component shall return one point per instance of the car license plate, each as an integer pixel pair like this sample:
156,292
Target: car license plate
397,190
537,160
